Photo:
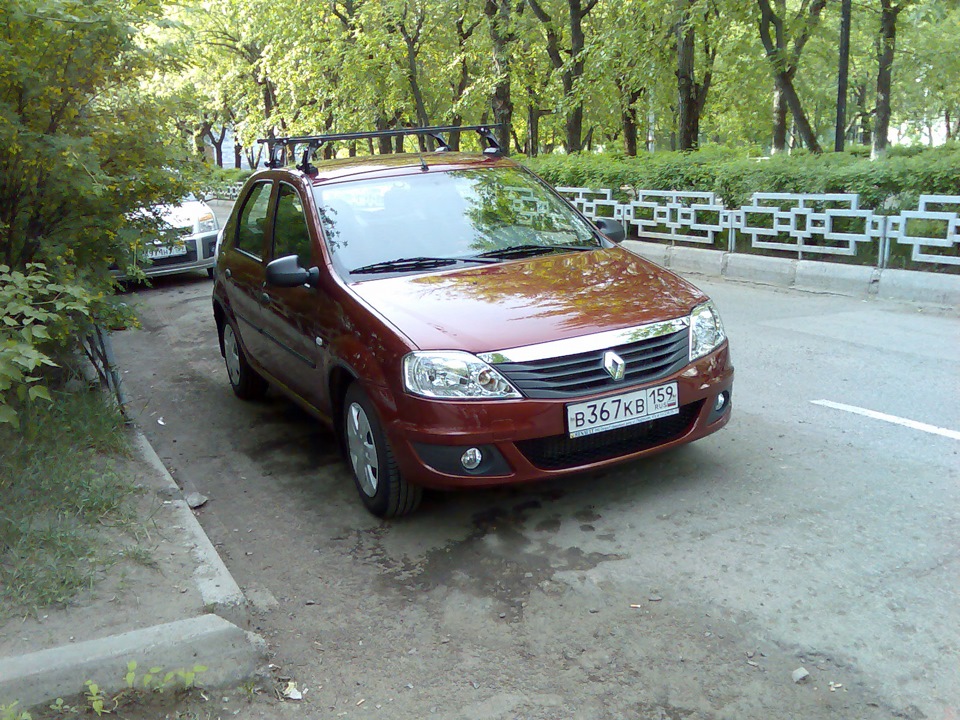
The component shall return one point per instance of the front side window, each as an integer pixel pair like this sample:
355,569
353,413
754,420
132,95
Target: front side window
253,220
290,233
455,215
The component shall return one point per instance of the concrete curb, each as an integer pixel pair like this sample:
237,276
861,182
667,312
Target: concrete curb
218,590
807,275
229,655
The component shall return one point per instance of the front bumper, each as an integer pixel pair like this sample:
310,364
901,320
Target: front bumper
526,439
198,255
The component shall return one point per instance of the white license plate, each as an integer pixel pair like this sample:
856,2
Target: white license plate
609,413
164,251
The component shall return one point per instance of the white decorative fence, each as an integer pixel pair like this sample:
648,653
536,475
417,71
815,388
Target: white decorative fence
805,225
229,191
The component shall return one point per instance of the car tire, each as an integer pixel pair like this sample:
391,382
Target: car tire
247,384
383,490
210,273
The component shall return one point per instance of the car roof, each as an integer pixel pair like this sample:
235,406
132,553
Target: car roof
356,168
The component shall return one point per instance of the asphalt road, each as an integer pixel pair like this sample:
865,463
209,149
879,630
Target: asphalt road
688,585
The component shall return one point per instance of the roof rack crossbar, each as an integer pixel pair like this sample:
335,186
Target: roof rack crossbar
314,142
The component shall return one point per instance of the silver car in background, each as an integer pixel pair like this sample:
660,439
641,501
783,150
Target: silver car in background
190,243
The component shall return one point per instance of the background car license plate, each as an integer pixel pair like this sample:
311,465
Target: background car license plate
621,410
162,251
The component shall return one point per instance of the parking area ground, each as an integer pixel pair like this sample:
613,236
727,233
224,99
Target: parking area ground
818,531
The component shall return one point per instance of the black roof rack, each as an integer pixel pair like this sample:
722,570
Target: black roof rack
314,142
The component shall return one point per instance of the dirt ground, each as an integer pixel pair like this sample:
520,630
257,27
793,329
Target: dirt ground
688,586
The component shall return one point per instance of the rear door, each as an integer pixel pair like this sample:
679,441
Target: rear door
246,248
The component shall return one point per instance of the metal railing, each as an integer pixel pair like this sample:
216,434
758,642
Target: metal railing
805,225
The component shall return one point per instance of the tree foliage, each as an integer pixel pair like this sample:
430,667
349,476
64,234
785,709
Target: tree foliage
84,155
576,74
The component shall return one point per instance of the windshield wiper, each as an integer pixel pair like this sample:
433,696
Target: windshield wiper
403,264
521,251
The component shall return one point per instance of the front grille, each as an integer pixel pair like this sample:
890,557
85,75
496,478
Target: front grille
559,452
583,373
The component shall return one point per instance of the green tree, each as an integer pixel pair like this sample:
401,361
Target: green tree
783,49
82,147
85,155
571,68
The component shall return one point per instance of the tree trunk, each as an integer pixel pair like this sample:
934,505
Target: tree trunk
571,67
863,132
574,130
328,150
384,142
498,22
688,122
413,77
574,123
412,42
255,155
463,79
799,116
779,121
533,130
842,74
888,41
237,155
517,145
453,139
784,68
216,141
629,122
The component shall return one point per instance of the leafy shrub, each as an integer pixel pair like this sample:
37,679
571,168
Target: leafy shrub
41,323
885,185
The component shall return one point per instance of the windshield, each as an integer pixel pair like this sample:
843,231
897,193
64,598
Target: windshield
442,218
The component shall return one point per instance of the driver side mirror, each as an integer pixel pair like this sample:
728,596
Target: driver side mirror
287,272
613,230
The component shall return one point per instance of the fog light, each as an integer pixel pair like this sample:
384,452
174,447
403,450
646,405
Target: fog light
721,401
471,459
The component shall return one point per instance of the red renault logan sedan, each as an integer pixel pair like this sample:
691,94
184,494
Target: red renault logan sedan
458,323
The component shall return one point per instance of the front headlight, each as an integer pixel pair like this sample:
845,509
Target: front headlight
706,330
206,223
455,375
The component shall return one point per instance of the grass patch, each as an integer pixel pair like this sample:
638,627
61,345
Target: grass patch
58,490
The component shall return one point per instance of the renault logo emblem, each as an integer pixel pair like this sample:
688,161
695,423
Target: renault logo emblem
614,365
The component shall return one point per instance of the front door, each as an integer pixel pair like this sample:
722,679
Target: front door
292,315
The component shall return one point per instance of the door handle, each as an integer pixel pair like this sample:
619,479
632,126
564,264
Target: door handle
265,298
227,273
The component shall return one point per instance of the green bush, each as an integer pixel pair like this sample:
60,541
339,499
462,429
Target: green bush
886,185
42,323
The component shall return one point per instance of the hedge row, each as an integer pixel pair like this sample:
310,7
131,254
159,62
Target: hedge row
887,185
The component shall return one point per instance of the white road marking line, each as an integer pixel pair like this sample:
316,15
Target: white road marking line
906,422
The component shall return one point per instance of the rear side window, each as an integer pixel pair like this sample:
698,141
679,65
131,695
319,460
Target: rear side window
253,221
290,233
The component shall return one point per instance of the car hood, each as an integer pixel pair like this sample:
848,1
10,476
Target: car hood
512,304
186,214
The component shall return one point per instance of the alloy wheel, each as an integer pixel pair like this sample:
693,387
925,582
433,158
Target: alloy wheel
363,449
231,352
